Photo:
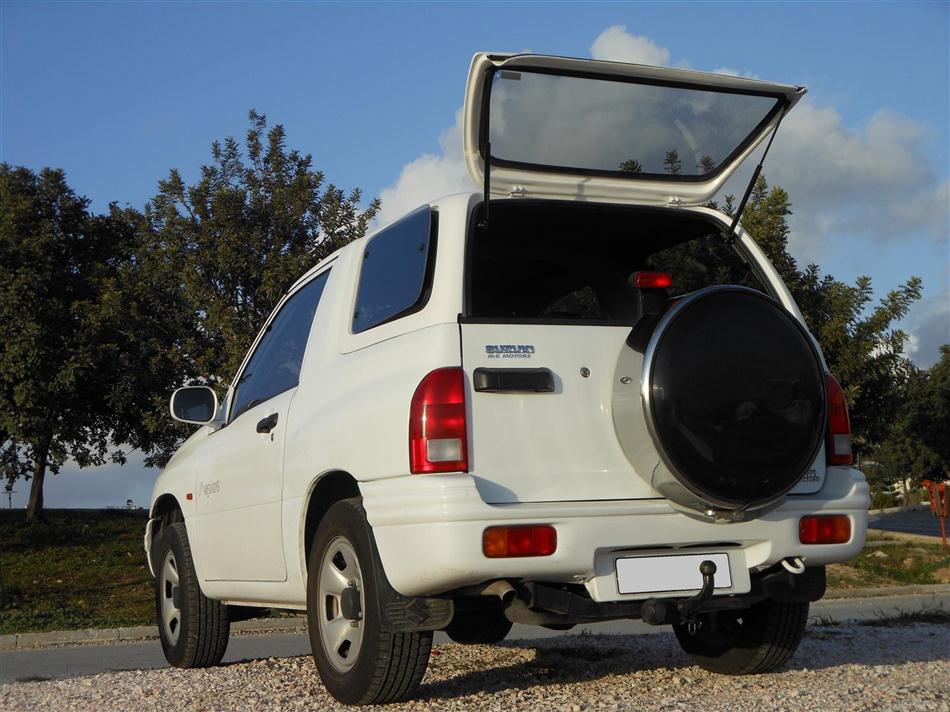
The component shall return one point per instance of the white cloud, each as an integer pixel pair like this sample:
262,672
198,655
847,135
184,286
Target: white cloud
617,45
428,177
875,180
872,181
928,328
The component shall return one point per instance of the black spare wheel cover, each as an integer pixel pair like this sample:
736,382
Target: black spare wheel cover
734,396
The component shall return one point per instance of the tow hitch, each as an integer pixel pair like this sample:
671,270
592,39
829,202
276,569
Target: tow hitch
659,612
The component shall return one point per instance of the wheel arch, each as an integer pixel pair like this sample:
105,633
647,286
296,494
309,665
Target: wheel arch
165,510
326,490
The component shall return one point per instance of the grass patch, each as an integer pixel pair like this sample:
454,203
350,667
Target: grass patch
937,616
891,562
78,569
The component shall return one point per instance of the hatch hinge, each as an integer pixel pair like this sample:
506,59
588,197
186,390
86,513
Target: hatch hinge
518,191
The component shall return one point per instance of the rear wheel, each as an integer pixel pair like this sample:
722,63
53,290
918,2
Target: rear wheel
193,628
484,627
748,642
358,661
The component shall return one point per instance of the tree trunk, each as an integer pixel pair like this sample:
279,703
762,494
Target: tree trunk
34,509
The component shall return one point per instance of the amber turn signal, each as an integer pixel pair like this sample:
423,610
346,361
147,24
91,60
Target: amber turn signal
506,542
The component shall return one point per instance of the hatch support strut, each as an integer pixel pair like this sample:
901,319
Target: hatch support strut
486,152
731,232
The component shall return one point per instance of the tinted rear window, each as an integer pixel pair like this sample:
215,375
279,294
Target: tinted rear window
393,277
554,262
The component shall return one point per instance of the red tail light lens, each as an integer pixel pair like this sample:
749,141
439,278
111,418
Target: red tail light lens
825,529
652,280
507,542
438,436
838,442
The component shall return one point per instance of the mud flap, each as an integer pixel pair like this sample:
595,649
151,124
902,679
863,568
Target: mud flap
408,614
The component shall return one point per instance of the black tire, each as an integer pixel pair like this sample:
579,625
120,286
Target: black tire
479,627
198,636
748,642
387,667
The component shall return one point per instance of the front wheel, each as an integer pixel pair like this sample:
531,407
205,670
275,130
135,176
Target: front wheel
748,642
193,628
359,662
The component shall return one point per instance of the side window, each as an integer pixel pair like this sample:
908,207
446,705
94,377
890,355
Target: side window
393,276
274,366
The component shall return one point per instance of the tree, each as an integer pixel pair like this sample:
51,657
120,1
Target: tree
56,260
858,340
631,165
706,165
226,248
917,447
673,163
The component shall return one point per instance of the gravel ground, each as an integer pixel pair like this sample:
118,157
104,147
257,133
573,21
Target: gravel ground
836,668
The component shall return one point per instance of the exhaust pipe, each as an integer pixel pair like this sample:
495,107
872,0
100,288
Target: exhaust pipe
502,589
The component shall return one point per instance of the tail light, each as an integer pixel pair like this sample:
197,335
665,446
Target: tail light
838,444
825,529
438,437
652,280
506,542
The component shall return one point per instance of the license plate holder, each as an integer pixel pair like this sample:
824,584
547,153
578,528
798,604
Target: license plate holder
669,573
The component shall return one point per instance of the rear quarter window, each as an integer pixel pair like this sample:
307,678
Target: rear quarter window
395,277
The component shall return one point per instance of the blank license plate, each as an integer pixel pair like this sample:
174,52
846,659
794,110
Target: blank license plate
652,574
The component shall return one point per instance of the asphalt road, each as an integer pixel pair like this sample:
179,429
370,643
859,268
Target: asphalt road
915,521
50,663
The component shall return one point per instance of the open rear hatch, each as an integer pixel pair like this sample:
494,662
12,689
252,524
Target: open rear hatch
582,129
548,281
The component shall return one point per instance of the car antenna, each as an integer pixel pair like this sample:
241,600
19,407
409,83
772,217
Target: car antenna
731,232
486,152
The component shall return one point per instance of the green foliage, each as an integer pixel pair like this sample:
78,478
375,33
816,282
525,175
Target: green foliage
631,165
77,569
917,445
859,342
102,316
672,162
57,262
706,165
244,233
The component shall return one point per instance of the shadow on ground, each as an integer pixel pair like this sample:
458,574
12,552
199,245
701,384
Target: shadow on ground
524,664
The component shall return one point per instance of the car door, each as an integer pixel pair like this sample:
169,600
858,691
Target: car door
241,473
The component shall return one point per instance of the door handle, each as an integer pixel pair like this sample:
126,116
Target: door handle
265,425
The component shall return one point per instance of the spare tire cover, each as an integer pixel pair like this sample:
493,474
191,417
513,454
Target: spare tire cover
734,396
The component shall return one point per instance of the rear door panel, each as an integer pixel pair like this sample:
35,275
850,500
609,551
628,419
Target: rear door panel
546,447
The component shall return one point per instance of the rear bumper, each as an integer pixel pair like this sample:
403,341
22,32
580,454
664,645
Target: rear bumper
428,530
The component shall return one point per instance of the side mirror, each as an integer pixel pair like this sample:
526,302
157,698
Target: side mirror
197,405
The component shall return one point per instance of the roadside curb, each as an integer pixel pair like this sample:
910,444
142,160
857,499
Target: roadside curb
105,636
905,536
295,624
936,589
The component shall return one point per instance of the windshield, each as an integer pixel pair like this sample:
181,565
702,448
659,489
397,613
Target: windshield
582,124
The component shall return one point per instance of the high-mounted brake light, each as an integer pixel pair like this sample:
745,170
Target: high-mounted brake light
838,440
506,542
825,529
438,436
652,280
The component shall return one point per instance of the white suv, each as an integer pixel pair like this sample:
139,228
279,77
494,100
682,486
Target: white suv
535,404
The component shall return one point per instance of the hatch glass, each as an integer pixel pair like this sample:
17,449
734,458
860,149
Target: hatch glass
616,126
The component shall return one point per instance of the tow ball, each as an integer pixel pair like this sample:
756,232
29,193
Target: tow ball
658,612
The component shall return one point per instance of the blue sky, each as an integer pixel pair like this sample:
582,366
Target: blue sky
119,93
